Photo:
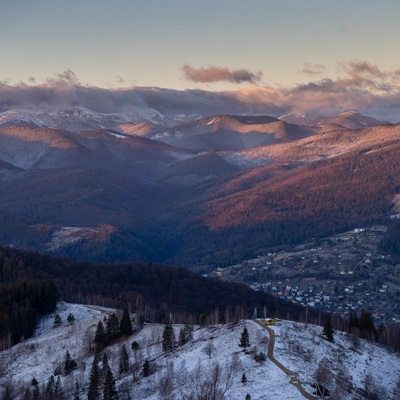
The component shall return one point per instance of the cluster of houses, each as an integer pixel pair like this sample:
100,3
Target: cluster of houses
338,274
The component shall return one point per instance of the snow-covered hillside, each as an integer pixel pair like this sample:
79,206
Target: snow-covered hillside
80,118
298,347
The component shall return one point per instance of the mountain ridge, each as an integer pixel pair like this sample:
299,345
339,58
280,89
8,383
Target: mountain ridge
216,180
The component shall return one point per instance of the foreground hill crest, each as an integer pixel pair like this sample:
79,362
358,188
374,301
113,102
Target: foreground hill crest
349,373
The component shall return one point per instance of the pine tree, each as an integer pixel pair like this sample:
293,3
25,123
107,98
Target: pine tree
185,334
69,364
244,339
366,322
57,320
182,337
189,332
353,321
70,318
135,345
168,341
35,389
123,360
248,397
27,394
109,390
244,378
112,329
50,388
76,391
141,321
146,368
125,326
202,320
8,392
328,328
94,380
58,390
99,338
36,393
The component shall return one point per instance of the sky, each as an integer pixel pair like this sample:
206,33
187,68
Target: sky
287,47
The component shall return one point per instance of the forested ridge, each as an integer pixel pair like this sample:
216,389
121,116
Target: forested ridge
269,206
158,290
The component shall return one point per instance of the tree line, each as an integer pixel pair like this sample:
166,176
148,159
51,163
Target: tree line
156,291
21,305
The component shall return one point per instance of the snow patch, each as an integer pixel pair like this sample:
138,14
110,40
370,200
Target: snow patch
118,136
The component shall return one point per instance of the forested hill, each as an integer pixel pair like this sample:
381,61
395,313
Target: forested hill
154,289
21,305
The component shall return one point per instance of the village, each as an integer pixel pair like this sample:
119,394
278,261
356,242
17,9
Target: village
344,272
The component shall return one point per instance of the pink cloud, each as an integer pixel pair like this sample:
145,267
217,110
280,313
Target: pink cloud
218,74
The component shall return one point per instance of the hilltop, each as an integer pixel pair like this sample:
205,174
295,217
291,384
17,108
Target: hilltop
350,366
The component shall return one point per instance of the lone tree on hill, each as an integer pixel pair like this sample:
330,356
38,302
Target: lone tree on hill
328,328
244,339
209,349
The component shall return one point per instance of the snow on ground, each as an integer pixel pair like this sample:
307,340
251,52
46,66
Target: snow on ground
299,347
302,347
118,136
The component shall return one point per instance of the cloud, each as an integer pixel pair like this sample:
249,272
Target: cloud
359,86
218,74
67,77
313,69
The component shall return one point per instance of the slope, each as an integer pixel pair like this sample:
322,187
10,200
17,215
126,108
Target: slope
226,132
349,371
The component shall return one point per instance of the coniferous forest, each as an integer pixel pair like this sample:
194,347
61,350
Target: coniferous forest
21,304
155,291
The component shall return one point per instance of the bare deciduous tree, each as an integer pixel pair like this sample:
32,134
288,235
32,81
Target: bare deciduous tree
136,365
322,376
208,384
372,390
209,349
343,384
166,383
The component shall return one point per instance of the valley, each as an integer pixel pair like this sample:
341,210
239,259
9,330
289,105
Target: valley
348,271
196,193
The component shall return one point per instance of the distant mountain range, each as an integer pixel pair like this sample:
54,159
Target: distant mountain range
199,191
348,119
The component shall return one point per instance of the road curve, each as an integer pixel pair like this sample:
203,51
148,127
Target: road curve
294,376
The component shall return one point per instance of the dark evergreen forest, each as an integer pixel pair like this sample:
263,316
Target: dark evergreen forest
21,304
153,290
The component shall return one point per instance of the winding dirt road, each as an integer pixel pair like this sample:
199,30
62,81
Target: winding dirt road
294,376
